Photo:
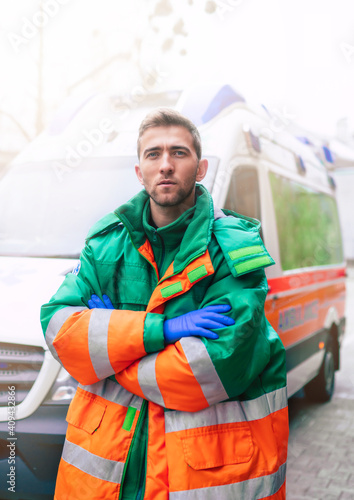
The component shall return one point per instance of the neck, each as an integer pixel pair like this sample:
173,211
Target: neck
162,216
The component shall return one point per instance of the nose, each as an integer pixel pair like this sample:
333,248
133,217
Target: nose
166,164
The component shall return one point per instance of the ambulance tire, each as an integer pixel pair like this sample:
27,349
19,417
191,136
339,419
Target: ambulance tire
321,388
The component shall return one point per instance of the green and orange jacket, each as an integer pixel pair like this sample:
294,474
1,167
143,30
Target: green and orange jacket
214,411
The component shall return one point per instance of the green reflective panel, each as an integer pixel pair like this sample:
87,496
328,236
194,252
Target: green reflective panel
171,289
308,225
197,273
129,418
251,264
244,252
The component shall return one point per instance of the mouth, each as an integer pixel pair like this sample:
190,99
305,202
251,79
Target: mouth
166,182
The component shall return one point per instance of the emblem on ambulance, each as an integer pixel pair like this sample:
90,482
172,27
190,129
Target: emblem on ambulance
76,269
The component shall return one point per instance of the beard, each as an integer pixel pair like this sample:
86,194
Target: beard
173,199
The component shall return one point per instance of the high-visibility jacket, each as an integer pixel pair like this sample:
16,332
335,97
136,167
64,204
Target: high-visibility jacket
215,410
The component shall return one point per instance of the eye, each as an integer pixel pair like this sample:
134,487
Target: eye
180,153
153,154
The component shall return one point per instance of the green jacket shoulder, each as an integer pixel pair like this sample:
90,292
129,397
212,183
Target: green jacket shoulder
240,242
104,225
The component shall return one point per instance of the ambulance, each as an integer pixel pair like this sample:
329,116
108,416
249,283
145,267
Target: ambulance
261,171
81,168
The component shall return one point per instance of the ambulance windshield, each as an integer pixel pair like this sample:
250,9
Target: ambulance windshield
47,208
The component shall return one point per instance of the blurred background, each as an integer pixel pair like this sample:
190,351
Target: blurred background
295,57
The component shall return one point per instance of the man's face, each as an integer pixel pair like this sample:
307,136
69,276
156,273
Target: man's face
169,166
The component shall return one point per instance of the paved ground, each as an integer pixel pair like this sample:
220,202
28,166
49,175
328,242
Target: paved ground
321,444
321,451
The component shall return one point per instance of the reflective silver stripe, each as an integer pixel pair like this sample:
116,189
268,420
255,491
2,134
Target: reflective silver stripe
203,370
98,342
147,379
252,489
55,323
96,466
228,412
277,399
113,392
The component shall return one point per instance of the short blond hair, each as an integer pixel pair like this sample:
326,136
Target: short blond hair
168,117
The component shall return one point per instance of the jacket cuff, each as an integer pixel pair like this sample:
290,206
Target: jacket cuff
153,332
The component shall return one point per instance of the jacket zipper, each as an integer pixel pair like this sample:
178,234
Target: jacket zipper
166,277
155,237
143,256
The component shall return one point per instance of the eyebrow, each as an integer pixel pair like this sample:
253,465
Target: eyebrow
181,147
172,148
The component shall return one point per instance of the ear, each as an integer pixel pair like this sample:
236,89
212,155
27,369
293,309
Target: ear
138,174
202,169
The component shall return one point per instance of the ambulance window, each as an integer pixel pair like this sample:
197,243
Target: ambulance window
243,194
308,225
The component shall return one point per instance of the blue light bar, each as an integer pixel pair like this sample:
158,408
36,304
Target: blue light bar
300,165
206,101
304,140
224,98
252,139
328,154
332,182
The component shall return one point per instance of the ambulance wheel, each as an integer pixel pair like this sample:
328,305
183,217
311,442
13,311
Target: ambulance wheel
321,388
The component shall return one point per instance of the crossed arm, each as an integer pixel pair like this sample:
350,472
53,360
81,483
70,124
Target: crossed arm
195,323
178,363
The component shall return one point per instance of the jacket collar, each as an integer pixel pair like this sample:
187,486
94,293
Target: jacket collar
172,234
197,235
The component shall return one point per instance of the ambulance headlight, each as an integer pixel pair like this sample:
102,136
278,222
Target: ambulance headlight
63,389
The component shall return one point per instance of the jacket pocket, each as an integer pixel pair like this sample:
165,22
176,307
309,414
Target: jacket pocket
85,412
205,448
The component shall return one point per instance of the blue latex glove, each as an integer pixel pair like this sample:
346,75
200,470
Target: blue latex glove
96,302
197,323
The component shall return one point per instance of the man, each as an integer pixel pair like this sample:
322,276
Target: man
182,382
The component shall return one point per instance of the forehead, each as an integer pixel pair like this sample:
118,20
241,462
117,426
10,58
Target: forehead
166,136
